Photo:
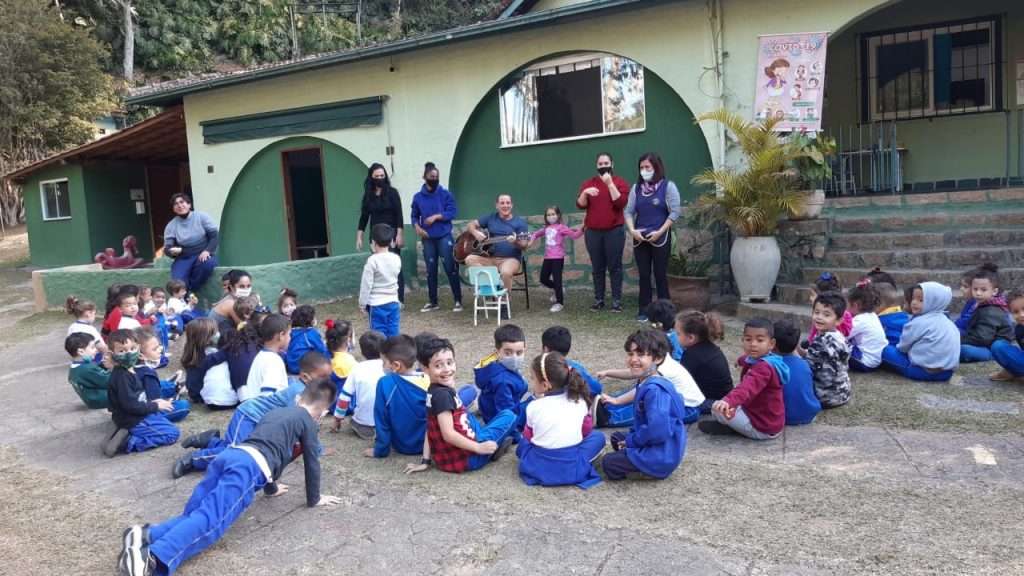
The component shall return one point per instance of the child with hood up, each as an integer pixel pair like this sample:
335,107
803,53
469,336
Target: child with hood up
929,348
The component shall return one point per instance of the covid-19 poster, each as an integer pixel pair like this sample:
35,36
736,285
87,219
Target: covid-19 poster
791,80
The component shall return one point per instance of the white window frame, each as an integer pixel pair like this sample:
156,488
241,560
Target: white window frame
567,64
927,35
42,199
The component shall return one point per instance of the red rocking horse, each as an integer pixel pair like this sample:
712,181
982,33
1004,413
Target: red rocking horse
130,258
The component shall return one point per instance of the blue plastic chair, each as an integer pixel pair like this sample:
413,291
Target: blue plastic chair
488,292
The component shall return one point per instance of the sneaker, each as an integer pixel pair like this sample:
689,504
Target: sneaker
616,307
117,442
182,465
428,307
556,307
597,305
715,428
457,307
641,318
502,450
135,536
201,440
137,562
363,431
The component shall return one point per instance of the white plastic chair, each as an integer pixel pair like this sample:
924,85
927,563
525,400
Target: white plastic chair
488,292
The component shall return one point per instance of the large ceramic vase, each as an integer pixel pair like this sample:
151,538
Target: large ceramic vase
755,265
814,201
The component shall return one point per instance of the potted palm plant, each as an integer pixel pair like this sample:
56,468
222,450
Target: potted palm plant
688,282
813,168
751,197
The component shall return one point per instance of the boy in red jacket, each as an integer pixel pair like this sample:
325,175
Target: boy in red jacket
755,408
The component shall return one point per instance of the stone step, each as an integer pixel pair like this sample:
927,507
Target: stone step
855,203
906,276
775,311
800,295
969,238
929,258
951,216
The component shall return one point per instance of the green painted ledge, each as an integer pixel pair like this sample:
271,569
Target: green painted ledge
317,280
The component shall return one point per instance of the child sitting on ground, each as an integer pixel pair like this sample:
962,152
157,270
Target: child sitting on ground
201,338
755,408
655,444
619,410
226,371
150,351
966,280
455,441
378,289
339,343
84,312
989,322
497,377
802,406
127,308
399,407
829,354
827,282
560,443
304,337
267,374
929,348
230,486
360,388
877,276
890,315
87,376
1011,357
181,306
704,360
662,315
867,338
314,366
159,312
139,423
559,339
287,302
244,307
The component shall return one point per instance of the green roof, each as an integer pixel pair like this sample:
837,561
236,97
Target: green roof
171,92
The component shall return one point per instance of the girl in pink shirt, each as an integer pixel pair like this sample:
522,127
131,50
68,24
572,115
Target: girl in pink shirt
554,233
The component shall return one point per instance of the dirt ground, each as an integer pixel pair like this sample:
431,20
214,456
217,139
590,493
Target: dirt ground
906,479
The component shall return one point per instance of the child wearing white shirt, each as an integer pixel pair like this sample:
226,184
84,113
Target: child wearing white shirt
268,373
867,337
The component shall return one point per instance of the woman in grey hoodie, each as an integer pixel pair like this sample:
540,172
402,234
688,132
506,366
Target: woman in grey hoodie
929,348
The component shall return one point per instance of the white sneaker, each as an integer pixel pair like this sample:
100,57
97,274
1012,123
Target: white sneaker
428,307
556,308
457,307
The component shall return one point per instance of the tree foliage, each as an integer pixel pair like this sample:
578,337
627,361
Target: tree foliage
52,89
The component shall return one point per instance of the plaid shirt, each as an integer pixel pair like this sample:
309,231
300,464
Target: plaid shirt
448,458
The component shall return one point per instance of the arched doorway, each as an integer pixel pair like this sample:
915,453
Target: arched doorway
293,200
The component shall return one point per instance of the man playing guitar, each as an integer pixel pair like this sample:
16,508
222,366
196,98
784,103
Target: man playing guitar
506,255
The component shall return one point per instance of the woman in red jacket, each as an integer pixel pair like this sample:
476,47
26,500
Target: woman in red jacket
604,197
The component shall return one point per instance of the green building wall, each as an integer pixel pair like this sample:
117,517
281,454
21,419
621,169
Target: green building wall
956,147
253,229
58,242
551,173
107,190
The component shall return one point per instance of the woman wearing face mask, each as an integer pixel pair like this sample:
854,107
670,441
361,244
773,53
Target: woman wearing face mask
652,208
191,240
603,197
382,205
433,209
223,312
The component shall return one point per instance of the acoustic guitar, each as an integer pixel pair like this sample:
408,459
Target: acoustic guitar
467,244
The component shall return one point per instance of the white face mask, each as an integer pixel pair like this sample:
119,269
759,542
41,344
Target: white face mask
647,175
242,292
287,310
552,219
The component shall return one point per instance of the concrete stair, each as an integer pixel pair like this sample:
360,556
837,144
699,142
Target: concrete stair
916,238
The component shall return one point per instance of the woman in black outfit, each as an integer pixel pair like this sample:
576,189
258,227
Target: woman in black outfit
382,205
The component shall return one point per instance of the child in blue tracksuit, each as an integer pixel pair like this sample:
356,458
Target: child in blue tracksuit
150,351
929,348
559,339
802,406
969,302
662,315
560,442
313,366
497,377
1010,357
230,486
655,444
890,314
305,337
140,425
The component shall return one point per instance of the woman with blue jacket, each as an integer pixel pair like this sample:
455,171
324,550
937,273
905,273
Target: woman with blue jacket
433,209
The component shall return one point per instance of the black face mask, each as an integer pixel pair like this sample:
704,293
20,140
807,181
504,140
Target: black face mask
432,183
604,170
378,182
